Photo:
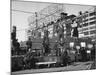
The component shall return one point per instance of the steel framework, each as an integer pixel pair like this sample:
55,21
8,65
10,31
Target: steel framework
46,15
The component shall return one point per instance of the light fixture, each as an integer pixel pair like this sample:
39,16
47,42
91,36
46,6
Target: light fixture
83,44
78,47
89,45
71,44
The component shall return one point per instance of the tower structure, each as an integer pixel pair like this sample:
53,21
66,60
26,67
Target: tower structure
42,19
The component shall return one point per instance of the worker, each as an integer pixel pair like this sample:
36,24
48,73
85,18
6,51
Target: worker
29,44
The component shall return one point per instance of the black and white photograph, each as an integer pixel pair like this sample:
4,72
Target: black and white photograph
52,37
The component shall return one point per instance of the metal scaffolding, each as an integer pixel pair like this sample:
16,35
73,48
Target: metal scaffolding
46,15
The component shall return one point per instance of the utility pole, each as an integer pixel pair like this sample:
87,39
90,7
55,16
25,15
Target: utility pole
36,20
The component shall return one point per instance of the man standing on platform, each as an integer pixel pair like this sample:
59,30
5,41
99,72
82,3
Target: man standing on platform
29,44
60,33
46,41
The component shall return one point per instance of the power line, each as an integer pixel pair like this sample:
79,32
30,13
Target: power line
22,11
22,29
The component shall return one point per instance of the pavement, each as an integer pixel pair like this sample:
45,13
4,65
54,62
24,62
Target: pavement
74,67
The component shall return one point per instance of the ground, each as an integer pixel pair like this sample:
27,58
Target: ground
76,66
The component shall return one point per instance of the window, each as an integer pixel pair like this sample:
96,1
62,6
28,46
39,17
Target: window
93,32
86,33
93,22
85,29
93,37
92,18
93,27
93,13
86,24
85,20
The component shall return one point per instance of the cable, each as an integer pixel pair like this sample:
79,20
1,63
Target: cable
21,29
22,11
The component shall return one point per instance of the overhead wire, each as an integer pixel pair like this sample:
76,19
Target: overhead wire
22,11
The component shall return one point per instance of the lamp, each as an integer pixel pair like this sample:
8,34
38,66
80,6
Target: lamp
90,46
83,44
77,47
71,44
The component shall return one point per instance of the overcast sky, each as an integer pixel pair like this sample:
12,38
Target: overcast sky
20,19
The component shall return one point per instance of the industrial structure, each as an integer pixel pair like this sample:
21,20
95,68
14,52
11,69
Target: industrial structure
49,16
52,16
56,39
45,19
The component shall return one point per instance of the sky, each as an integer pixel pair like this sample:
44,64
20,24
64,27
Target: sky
20,19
